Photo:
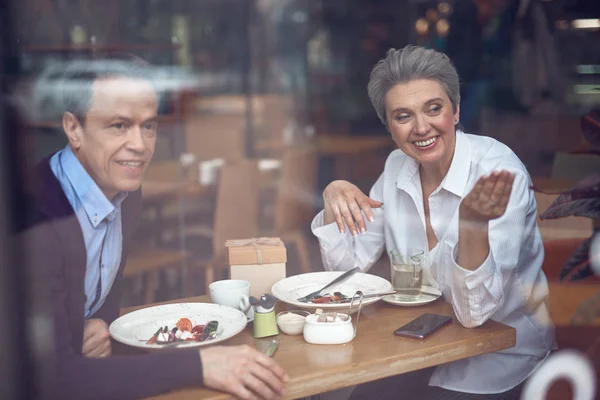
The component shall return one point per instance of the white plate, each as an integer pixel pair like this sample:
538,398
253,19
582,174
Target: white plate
290,289
135,328
432,295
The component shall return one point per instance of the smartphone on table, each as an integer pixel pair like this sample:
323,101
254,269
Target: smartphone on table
423,326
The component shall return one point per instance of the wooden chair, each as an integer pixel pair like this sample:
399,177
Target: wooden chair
295,202
236,214
166,170
166,210
574,166
148,262
147,258
565,299
210,136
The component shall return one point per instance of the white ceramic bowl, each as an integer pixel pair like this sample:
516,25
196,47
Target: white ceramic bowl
292,327
328,332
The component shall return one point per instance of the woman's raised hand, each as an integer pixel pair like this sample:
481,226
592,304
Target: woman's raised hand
489,197
345,202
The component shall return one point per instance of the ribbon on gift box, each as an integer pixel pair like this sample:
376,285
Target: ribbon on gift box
255,242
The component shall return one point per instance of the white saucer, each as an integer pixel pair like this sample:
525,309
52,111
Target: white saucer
430,294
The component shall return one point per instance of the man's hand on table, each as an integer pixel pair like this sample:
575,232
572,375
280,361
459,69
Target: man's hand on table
96,339
242,371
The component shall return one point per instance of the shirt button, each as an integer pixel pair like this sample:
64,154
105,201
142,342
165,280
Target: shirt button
95,217
433,204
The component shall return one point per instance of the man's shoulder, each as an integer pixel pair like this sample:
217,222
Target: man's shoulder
44,199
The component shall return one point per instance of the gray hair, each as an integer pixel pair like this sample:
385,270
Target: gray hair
408,64
69,87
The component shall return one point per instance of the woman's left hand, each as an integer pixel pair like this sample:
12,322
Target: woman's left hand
489,197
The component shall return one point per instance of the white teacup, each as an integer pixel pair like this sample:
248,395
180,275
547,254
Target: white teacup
232,293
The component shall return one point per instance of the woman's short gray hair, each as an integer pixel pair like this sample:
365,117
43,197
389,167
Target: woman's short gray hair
408,64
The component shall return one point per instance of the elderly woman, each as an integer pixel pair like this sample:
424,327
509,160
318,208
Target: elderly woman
462,199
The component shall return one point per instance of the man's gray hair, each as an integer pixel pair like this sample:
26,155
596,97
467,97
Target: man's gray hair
408,64
69,87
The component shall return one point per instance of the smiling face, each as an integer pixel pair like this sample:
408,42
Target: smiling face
116,139
422,122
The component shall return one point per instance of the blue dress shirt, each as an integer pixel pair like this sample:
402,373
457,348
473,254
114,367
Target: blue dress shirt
100,221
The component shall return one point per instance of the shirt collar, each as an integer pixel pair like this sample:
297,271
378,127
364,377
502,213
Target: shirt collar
407,172
457,176
95,203
456,179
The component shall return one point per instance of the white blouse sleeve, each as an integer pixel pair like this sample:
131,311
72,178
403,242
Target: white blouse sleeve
342,251
478,294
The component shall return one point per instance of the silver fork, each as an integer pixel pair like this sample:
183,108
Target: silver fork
366,296
337,280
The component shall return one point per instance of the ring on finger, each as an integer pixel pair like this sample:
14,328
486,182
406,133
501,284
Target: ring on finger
493,203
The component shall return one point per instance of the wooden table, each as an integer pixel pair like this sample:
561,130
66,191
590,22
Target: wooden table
567,297
352,156
351,145
159,190
374,354
337,145
342,150
153,191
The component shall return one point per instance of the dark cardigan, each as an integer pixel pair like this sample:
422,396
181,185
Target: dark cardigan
55,256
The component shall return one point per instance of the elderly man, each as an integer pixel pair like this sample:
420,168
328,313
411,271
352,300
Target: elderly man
85,206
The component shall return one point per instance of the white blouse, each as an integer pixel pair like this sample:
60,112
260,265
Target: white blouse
509,286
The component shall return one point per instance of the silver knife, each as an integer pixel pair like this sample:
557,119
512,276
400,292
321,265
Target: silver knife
337,280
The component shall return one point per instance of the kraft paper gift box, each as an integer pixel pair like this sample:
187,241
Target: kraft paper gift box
260,261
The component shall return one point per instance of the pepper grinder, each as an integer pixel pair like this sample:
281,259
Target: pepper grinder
264,316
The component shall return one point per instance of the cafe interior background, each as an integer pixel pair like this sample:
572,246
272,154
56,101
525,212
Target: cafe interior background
264,102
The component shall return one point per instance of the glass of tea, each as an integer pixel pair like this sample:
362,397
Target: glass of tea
407,273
